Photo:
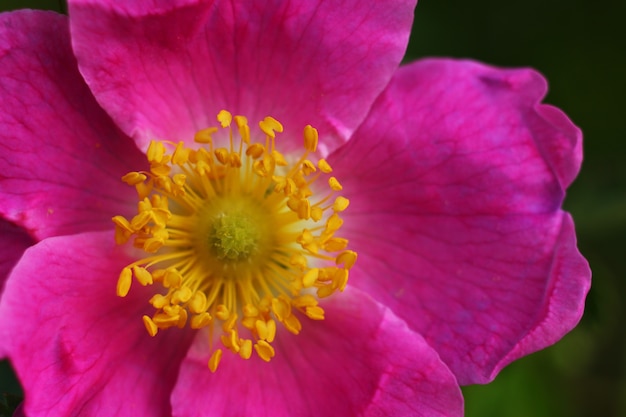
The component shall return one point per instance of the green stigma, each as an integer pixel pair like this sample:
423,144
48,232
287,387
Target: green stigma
234,237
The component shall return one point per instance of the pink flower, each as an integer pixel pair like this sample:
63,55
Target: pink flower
447,180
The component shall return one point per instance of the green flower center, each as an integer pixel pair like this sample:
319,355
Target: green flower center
234,237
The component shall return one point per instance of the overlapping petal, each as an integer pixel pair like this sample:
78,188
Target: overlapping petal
77,348
456,180
13,241
61,155
361,361
164,69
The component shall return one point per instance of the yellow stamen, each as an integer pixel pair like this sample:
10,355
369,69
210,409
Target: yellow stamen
310,138
216,357
124,282
265,350
151,327
238,236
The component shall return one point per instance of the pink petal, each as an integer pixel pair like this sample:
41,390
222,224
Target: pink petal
61,156
456,182
164,69
77,347
13,241
360,361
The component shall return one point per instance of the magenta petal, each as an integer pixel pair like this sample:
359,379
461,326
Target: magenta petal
164,70
360,361
13,241
78,348
61,156
456,182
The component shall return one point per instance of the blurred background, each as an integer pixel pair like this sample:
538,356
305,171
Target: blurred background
580,47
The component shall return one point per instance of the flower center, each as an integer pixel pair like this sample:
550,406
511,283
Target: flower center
240,238
234,236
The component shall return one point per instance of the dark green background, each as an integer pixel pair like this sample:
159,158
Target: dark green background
580,46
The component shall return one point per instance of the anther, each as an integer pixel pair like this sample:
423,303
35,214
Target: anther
310,138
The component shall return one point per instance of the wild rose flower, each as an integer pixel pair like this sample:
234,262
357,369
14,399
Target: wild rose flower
221,286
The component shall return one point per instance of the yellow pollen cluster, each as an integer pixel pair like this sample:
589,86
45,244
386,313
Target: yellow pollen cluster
238,236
